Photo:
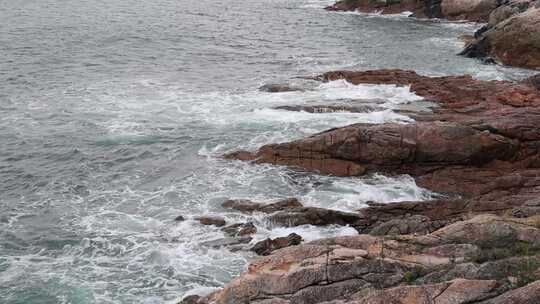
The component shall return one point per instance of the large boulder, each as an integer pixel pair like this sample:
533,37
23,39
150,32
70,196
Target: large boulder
514,41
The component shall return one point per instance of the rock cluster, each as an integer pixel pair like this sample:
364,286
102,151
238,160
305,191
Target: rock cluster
511,36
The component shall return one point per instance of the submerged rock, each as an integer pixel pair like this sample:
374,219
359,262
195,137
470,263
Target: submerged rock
529,294
268,245
278,88
211,220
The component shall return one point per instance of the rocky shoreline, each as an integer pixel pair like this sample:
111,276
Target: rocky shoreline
478,147
510,36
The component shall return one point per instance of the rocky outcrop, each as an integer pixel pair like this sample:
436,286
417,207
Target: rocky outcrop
211,221
482,138
446,266
513,41
279,88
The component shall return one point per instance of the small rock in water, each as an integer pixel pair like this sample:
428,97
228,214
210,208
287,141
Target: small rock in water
276,88
179,218
267,246
241,229
211,220
225,242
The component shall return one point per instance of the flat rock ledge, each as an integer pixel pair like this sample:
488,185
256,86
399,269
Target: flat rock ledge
486,259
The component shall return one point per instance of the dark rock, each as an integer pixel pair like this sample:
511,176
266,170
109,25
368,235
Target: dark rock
179,218
248,206
268,245
313,216
211,220
331,108
240,229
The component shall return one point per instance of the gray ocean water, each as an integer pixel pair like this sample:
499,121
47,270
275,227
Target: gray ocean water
113,115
